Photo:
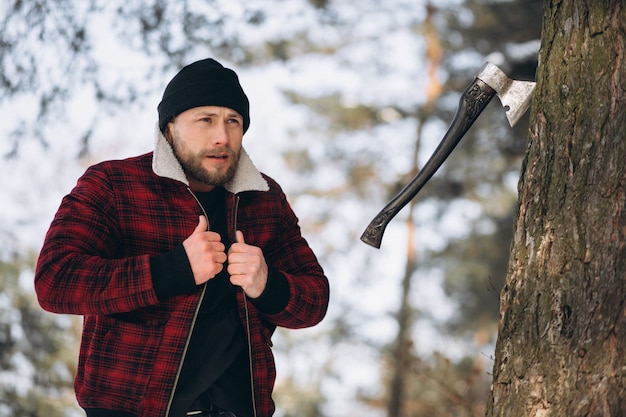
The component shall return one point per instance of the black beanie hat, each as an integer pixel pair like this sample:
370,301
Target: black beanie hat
203,83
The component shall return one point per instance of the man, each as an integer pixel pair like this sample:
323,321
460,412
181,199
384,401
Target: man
182,262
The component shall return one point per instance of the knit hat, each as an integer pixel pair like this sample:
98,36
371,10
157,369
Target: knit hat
203,83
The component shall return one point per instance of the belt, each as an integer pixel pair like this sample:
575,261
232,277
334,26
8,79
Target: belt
213,411
208,413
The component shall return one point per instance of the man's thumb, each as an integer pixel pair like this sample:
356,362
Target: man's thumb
239,235
202,226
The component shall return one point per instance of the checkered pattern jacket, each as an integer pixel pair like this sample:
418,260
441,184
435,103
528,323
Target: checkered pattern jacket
95,262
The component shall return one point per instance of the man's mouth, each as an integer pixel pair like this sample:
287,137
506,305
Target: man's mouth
220,156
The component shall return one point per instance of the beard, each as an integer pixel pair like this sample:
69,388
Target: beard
192,163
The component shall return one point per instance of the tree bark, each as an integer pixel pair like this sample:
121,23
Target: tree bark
561,348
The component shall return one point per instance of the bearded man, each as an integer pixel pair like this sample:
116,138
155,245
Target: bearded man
182,261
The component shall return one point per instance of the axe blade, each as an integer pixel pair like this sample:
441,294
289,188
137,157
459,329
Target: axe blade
514,95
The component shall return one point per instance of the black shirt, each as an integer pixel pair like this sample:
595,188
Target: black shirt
217,365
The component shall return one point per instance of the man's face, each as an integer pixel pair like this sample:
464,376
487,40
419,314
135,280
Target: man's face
207,142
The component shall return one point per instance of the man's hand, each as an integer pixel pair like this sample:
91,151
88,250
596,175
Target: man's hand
247,267
205,251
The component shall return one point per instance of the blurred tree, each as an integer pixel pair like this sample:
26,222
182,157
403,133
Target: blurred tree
474,265
483,167
402,354
443,388
561,348
51,51
52,56
36,363
480,170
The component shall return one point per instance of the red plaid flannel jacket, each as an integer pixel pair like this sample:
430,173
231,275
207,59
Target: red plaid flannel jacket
95,262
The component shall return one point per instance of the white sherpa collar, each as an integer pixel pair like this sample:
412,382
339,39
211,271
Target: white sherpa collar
165,164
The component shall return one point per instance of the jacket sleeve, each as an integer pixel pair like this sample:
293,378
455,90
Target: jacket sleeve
295,272
81,269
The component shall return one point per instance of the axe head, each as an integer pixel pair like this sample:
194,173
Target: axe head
514,95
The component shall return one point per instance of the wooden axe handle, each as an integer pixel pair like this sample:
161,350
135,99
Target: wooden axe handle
472,102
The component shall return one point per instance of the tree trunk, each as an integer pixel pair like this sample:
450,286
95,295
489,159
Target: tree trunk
561,348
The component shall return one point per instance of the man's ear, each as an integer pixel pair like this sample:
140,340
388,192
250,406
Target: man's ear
168,132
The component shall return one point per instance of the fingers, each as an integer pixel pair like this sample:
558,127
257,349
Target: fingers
203,233
247,267
240,250
203,225
205,252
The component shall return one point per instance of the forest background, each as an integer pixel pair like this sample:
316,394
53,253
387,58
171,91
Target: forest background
348,100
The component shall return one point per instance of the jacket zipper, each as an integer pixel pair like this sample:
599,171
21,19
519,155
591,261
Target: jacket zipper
193,325
247,312
195,317
245,305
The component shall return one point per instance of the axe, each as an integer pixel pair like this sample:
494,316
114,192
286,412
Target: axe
515,97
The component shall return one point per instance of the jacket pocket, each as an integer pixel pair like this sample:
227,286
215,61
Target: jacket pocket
148,316
119,358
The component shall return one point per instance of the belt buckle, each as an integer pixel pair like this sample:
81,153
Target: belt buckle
213,411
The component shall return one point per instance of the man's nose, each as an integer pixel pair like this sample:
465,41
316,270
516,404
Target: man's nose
220,134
